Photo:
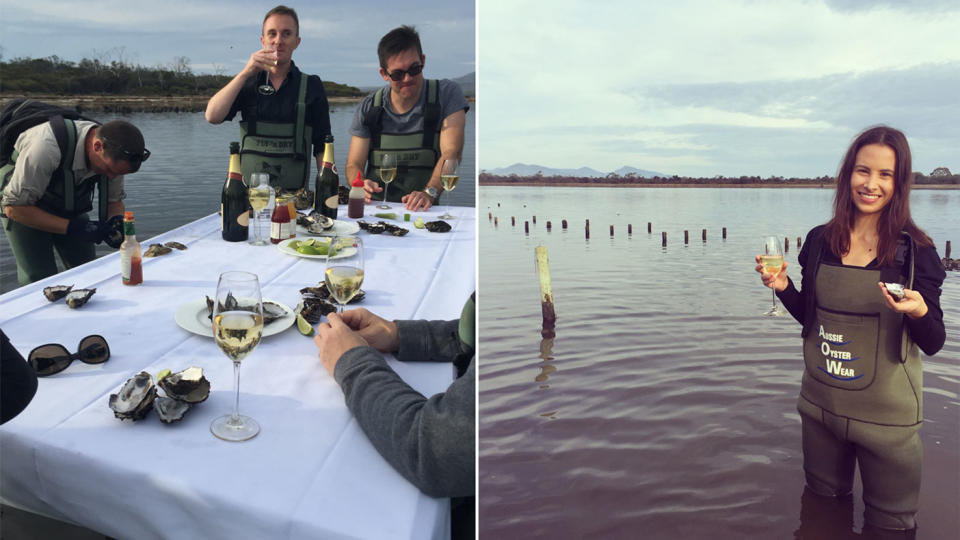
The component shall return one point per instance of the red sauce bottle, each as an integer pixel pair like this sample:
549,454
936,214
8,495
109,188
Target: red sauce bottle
279,222
357,196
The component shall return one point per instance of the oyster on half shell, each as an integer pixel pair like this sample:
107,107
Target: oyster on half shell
79,297
315,222
56,292
188,385
170,410
135,398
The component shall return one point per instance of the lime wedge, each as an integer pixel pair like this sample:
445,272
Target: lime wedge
303,326
163,373
418,223
308,242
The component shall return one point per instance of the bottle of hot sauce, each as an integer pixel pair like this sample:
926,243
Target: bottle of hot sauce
131,259
357,195
280,222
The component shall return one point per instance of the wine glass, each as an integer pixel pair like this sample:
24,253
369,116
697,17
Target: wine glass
388,171
771,258
344,273
259,193
449,178
237,328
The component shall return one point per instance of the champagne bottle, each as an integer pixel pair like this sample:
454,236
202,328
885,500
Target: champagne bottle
131,259
234,204
327,182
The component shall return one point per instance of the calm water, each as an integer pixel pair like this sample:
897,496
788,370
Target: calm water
666,405
184,175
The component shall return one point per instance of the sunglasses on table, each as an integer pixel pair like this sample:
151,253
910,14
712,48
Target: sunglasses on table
54,358
398,74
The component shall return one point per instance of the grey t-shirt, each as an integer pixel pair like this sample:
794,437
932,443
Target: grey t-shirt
39,156
450,97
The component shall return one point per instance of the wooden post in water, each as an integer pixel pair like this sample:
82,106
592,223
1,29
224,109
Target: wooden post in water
513,221
489,216
629,229
546,293
526,227
649,227
548,226
611,231
564,223
724,233
664,233
686,237
786,245
946,252
703,235
798,242
587,230
534,220
495,221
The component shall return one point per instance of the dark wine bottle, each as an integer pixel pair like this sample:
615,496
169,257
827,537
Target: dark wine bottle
327,183
234,201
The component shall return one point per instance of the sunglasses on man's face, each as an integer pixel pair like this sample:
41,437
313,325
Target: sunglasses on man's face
413,71
128,156
54,358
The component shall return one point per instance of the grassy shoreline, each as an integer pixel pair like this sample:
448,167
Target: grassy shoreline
130,104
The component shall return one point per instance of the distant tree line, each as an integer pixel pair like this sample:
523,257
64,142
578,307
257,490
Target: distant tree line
941,175
112,74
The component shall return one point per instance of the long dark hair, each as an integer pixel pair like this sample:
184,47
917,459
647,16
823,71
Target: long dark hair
896,215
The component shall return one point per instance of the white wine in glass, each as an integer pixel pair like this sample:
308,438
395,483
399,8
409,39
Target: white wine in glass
344,273
449,178
388,171
237,328
771,257
259,194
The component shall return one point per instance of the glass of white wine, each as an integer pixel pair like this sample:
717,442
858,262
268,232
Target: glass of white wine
344,273
237,328
388,171
258,189
449,178
771,257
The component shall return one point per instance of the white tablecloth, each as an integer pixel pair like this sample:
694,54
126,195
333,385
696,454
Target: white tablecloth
310,473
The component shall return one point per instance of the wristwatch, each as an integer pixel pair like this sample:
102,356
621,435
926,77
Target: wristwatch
432,192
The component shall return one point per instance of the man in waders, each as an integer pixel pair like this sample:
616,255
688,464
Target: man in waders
283,110
47,193
419,122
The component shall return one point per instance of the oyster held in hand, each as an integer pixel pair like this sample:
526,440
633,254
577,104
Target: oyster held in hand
135,398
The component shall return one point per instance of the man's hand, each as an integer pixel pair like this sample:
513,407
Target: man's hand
380,333
418,200
114,228
88,231
370,187
333,339
264,59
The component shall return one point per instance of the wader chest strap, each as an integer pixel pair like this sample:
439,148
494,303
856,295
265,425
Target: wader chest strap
67,141
431,113
299,143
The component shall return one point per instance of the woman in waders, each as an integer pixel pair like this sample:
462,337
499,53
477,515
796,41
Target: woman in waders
861,395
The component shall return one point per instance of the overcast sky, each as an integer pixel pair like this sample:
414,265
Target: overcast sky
702,88
339,36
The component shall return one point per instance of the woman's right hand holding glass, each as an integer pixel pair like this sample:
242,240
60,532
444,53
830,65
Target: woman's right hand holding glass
778,281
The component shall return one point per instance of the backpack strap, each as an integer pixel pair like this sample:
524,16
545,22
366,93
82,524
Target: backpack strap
67,141
299,145
431,113
373,121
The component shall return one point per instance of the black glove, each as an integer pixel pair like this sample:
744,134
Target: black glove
114,231
88,231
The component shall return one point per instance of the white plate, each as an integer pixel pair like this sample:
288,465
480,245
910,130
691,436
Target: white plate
340,228
285,247
192,317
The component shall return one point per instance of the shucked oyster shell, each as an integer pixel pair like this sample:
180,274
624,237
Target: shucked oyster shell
188,385
56,292
437,226
79,297
170,410
135,398
315,222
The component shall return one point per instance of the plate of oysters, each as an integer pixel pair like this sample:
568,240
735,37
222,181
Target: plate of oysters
197,317
316,224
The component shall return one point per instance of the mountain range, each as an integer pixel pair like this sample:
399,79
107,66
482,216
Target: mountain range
467,82
523,169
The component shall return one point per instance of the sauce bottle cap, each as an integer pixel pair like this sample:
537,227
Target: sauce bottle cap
128,215
358,181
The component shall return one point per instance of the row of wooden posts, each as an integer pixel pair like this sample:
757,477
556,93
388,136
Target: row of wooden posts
563,224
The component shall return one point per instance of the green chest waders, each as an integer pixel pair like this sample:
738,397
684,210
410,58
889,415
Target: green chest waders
280,149
416,153
860,362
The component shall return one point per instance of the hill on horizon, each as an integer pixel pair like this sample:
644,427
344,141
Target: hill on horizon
467,82
523,169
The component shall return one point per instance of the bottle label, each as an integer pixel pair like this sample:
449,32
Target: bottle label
125,265
275,231
223,223
244,219
287,230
